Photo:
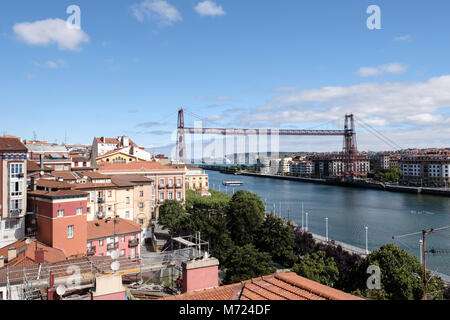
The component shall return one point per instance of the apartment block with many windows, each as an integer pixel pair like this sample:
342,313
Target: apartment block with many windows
428,170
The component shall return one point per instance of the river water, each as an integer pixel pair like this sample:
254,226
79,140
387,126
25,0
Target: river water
350,210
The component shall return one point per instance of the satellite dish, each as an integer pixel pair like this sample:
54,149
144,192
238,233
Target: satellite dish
28,241
61,289
115,266
114,255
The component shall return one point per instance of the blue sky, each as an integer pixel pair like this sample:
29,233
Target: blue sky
267,64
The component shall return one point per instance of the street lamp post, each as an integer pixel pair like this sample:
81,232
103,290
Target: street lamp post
420,250
306,214
367,240
326,228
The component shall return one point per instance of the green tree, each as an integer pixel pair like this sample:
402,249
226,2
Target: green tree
172,217
318,267
245,214
276,238
247,262
216,204
401,274
214,230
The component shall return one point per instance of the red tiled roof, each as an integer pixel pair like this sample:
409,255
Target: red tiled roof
135,166
34,166
129,180
281,286
59,193
103,229
26,253
12,144
66,175
53,184
94,175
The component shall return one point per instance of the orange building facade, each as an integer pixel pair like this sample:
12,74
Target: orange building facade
60,218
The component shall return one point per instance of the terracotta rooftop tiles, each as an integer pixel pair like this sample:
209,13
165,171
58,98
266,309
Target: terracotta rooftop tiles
26,253
102,228
12,145
281,286
34,166
135,166
52,184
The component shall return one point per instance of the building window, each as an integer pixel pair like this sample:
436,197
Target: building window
127,214
170,182
70,232
15,170
100,243
161,196
91,196
170,195
122,239
15,189
179,181
179,195
89,244
161,182
128,200
109,194
122,252
79,211
141,193
141,205
88,210
141,221
60,213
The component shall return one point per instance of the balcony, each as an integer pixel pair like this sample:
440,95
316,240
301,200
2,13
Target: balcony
178,185
15,213
162,186
91,251
112,246
133,243
100,200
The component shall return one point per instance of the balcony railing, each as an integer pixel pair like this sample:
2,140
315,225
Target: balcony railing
162,186
15,212
178,185
133,243
111,246
91,251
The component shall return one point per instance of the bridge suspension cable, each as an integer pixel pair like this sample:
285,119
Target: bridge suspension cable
378,134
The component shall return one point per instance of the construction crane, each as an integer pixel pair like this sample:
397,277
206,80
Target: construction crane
424,251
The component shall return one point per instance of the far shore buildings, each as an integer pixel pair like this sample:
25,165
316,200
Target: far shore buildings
428,170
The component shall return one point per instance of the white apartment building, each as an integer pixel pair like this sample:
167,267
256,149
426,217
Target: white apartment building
301,168
102,145
13,190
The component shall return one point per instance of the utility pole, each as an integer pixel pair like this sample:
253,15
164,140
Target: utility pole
326,228
424,252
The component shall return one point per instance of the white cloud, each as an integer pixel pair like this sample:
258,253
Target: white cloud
403,38
159,11
55,64
209,8
395,68
379,104
30,76
51,31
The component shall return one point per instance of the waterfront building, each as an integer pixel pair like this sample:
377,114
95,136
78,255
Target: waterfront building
284,167
301,168
268,165
430,170
195,178
333,166
13,190
384,162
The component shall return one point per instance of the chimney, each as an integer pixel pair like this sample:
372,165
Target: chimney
102,139
12,253
33,184
2,262
125,141
39,256
200,274
41,161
